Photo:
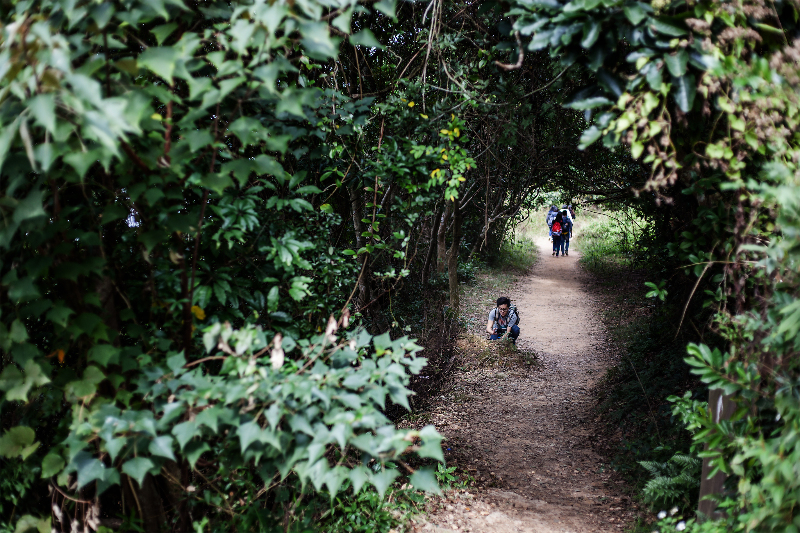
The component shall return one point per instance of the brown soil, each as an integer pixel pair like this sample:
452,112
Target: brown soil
521,421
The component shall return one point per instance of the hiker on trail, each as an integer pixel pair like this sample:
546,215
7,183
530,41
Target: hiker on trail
571,212
556,230
566,232
550,217
565,211
503,321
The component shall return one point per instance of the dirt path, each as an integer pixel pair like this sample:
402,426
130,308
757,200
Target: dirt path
525,433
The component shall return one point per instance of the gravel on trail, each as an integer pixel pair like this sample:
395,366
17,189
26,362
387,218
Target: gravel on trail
527,433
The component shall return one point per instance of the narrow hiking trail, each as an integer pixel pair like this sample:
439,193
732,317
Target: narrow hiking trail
526,432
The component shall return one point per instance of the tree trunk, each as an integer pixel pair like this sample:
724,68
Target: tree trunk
432,245
722,407
441,244
452,258
358,227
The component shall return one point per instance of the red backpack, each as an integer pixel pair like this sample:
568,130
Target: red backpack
556,228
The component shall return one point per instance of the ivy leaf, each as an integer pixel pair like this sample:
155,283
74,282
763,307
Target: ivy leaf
194,450
89,469
431,444
43,108
163,31
162,447
184,432
104,354
30,207
388,8
366,38
248,434
383,479
358,476
317,41
425,479
160,60
138,468
114,446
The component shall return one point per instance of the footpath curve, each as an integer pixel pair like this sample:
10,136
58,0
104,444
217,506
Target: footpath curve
526,434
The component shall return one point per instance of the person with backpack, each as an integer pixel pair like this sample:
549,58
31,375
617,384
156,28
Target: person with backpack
556,231
549,218
566,232
503,321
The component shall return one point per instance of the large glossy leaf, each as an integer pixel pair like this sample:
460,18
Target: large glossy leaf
684,89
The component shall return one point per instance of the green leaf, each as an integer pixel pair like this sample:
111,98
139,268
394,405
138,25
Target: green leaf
194,450
175,363
184,432
198,139
89,469
43,108
138,468
589,103
160,60
365,38
17,441
590,136
431,444
163,31
104,354
18,333
634,13
30,207
636,149
676,64
358,477
17,385
684,89
52,464
23,290
81,161
388,8
316,41
248,434
343,21
591,31
425,479
28,524
114,446
383,479
162,447
668,26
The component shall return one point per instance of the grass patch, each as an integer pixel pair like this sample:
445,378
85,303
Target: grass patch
608,240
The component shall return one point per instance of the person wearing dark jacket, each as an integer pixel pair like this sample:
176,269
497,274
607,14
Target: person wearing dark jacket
566,232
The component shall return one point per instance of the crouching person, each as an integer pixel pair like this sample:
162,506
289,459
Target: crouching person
503,321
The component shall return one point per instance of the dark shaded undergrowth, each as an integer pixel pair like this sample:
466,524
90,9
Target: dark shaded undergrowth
644,438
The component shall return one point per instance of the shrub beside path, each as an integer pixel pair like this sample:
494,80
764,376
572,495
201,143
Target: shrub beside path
526,432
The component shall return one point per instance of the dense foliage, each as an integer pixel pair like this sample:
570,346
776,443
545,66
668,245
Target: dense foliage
213,212
706,93
169,345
